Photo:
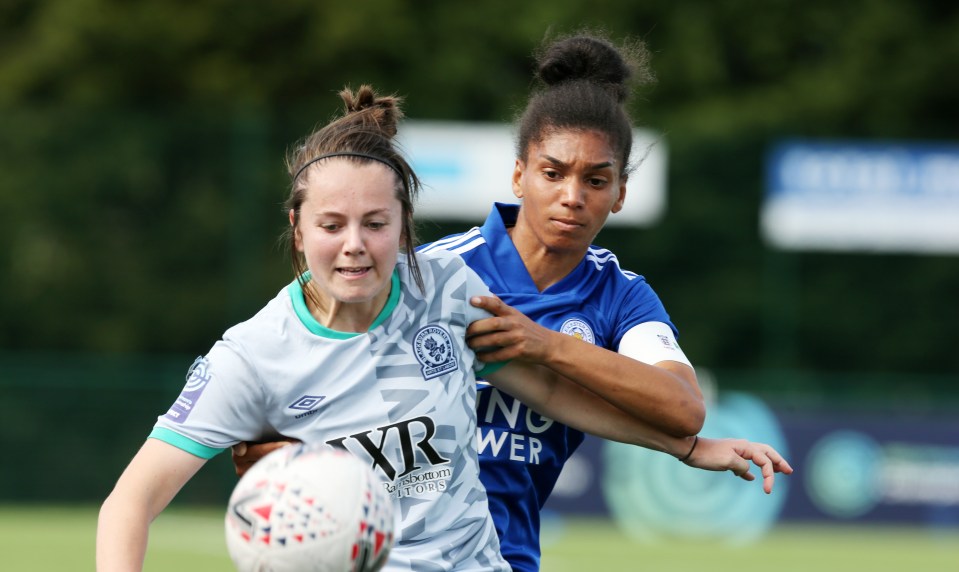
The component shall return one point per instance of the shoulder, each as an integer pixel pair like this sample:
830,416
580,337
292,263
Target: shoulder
267,328
620,291
605,264
439,262
446,276
459,243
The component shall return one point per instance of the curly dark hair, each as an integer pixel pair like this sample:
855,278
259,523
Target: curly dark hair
586,82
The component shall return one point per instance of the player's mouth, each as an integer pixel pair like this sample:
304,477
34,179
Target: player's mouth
568,224
353,271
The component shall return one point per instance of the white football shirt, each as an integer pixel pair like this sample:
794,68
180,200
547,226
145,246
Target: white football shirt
401,395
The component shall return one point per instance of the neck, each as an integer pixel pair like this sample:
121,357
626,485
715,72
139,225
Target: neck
345,316
545,265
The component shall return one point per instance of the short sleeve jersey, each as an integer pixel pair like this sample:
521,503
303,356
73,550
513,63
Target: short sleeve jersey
522,452
401,395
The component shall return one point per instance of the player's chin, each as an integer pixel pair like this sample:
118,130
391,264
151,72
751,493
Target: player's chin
573,240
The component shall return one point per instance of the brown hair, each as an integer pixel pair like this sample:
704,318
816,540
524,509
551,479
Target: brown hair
586,83
364,133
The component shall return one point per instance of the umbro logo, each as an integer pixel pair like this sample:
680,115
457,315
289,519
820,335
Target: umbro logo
307,404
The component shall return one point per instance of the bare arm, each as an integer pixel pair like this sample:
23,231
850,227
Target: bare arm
146,487
569,403
550,394
665,395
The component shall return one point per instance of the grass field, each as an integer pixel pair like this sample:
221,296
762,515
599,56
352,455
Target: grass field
42,538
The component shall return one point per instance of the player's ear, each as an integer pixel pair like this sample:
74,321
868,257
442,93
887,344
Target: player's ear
519,171
297,238
618,205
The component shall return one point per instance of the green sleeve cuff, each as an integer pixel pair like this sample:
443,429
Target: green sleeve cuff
184,443
491,368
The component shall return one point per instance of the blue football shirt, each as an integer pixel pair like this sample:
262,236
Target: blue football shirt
522,452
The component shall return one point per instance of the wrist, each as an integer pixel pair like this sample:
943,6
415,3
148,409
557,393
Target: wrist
555,349
689,453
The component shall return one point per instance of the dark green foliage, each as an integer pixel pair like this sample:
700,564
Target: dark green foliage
141,158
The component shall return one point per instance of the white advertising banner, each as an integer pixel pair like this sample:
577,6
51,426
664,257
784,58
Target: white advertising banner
862,196
465,167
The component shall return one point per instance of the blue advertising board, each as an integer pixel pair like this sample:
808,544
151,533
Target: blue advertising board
862,196
850,467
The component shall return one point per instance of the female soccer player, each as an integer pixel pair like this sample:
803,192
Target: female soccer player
574,144
365,350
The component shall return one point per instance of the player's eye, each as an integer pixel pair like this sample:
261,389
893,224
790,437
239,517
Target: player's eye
375,225
551,174
330,226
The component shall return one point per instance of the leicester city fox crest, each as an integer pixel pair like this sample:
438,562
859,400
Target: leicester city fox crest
578,329
433,348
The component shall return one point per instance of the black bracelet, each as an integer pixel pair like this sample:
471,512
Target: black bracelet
691,449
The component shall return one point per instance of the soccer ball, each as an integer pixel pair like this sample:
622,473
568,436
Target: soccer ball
309,508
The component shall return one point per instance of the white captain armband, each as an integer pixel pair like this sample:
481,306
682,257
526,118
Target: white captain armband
652,342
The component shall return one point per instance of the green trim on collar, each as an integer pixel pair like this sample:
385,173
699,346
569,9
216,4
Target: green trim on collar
311,323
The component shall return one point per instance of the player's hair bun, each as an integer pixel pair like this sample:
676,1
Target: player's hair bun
369,110
584,58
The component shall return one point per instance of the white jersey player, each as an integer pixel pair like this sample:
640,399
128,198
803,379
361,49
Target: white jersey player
363,351
401,395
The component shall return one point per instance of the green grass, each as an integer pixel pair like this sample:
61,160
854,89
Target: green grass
40,538
598,545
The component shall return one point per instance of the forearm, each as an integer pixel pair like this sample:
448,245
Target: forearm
148,484
121,536
550,394
661,398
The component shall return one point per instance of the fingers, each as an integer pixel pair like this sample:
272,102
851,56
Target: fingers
241,463
769,461
740,467
245,455
479,340
491,304
769,475
494,306
737,456
485,326
780,465
500,355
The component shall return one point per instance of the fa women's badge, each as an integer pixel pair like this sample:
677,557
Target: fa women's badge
433,348
197,379
579,329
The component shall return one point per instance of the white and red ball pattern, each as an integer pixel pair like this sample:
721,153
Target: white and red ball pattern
309,508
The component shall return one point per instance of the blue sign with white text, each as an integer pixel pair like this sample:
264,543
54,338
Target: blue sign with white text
878,196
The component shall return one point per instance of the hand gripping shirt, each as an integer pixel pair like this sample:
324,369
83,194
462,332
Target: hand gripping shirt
522,452
401,395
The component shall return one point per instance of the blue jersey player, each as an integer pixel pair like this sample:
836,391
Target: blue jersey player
574,142
521,452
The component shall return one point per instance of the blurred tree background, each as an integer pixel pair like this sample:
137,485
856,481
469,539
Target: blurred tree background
141,174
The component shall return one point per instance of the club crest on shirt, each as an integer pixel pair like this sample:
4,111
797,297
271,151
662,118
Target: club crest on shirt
433,348
578,329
